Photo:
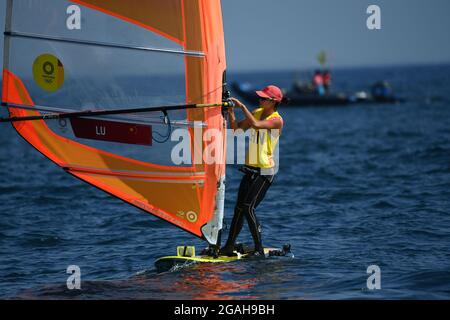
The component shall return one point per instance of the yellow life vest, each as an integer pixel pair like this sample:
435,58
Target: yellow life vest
262,143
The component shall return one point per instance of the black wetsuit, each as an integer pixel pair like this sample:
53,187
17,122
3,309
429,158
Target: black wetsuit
252,190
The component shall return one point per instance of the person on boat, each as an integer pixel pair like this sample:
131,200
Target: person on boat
318,83
382,91
327,81
259,171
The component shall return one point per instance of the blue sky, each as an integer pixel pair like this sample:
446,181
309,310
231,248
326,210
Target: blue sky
288,34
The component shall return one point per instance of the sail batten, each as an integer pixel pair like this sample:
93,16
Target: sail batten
101,44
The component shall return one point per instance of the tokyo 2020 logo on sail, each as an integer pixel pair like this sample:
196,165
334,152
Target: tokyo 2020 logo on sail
48,72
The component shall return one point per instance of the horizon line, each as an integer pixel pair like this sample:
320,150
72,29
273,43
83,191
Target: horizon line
345,67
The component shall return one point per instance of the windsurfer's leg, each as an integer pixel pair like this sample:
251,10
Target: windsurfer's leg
256,194
235,229
238,218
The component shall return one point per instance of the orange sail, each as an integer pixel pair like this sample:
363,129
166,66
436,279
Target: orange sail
100,55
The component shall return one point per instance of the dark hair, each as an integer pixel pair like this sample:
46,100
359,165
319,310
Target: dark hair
278,103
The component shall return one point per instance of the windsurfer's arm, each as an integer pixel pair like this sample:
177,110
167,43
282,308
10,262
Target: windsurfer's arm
252,122
244,124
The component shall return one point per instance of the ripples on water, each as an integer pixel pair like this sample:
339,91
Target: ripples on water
358,186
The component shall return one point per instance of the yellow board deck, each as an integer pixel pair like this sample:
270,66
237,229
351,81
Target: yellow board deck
186,256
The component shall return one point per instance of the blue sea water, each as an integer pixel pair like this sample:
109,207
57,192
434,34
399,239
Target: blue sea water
358,186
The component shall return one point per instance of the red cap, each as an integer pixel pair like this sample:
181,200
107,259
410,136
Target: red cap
271,92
